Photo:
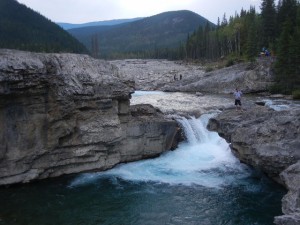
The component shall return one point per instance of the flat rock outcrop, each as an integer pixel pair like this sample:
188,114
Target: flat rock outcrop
67,113
180,76
269,141
249,77
154,74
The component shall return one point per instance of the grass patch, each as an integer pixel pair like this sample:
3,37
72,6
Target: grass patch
209,69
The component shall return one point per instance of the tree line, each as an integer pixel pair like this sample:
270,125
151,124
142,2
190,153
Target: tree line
275,32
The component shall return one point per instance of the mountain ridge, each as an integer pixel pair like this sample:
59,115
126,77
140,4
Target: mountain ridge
68,26
164,30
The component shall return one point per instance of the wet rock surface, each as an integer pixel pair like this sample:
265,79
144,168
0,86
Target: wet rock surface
67,113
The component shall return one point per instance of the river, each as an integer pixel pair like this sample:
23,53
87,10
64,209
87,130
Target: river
200,182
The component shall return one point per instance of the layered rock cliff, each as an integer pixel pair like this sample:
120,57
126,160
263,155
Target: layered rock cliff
269,141
67,113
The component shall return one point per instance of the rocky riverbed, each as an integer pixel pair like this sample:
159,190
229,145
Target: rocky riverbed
154,74
188,77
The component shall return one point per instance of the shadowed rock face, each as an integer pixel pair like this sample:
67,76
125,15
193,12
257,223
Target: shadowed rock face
291,201
270,141
67,113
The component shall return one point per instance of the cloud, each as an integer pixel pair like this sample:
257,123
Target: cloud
80,11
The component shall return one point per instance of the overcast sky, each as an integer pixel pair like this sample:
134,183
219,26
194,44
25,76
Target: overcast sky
81,11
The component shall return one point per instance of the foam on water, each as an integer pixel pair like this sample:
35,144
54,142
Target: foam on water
205,159
142,93
277,105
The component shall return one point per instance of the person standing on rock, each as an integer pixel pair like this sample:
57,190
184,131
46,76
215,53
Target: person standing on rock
237,96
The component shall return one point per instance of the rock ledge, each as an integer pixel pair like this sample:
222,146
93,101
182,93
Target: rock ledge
269,141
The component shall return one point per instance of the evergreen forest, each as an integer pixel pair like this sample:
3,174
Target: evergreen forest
24,29
272,34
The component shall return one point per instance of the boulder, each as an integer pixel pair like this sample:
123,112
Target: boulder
68,113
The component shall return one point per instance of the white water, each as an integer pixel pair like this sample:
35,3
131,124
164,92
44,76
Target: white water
205,159
275,105
142,93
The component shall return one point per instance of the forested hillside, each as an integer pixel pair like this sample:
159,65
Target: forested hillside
273,33
142,38
68,26
22,28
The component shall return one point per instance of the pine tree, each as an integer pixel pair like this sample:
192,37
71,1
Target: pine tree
283,63
294,54
95,46
268,16
251,49
287,9
287,67
224,21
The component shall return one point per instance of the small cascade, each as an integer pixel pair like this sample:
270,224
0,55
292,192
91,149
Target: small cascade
188,130
195,129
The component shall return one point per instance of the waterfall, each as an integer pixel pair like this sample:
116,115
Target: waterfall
195,129
189,131
204,159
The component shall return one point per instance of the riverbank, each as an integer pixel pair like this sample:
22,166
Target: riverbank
264,135
268,140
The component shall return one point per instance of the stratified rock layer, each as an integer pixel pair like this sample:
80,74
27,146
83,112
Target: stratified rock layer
67,113
269,141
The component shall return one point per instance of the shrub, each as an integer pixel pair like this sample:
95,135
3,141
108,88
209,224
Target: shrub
230,62
208,69
275,89
296,94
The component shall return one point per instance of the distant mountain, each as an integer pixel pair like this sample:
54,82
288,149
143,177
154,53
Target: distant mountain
24,29
165,30
68,26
